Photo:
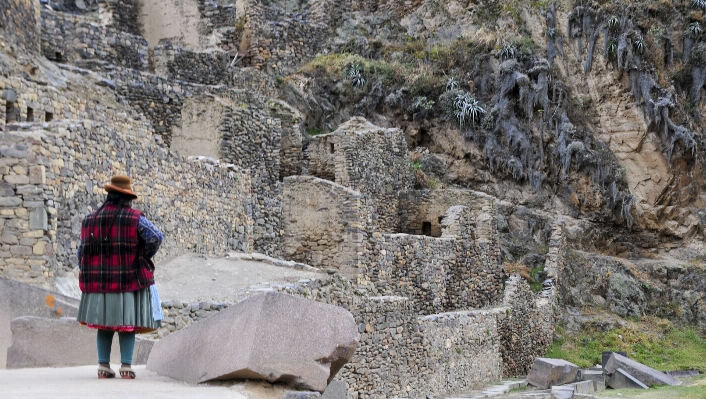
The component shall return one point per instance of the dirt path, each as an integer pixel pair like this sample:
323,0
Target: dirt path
81,382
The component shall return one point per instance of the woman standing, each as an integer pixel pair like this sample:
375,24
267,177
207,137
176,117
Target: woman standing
117,245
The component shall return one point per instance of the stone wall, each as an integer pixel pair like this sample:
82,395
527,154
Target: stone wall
54,176
460,270
29,101
282,46
225,21
477,277
159,99
319,157
252,140
72,39
20,24
125,15
251,135
528,331
324,224
402,354
207,68
418,267
417,207
374,161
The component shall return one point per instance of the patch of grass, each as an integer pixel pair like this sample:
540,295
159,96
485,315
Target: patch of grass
422,69
693,388
651,341
527,273
313,131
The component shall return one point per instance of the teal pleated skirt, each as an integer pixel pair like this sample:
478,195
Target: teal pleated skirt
118,311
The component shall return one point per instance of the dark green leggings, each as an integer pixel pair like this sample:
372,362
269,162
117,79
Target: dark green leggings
104,340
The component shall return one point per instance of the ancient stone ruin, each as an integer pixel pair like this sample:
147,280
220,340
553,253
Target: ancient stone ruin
457,221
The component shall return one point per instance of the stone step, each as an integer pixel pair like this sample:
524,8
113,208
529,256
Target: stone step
495,390
543,394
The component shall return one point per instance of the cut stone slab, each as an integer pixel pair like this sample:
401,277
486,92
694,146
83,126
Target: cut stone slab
5,331
606,355
43,342
597,377
335,390
644,374
621,379
546,373
29,300
583,387
18,299
682,373
270,336
562,392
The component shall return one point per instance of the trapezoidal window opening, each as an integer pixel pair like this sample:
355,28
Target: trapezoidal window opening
30,114
48,116
426,228
11,112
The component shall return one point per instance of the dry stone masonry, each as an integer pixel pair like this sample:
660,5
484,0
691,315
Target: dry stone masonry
78,38
52,180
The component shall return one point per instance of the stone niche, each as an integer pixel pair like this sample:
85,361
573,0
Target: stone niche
202,119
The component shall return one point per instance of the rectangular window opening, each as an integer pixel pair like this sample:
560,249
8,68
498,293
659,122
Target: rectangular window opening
331,148
426,228
48,116
30,114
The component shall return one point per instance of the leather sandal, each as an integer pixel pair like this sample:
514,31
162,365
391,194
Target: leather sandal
126,372
105,372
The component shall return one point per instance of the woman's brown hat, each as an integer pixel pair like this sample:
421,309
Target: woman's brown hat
120,184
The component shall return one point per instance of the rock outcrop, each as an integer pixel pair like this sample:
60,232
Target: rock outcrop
274,337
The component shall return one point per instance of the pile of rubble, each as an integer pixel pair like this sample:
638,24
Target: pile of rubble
559,379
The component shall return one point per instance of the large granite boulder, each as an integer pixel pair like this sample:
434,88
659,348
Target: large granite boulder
646,375
546,373
44,342
271,336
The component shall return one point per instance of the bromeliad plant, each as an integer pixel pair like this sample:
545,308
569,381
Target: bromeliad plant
613,23
452,84
640,45
694,29
355,75
467,108
509,50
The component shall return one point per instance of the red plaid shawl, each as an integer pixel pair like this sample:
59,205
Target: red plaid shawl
112,254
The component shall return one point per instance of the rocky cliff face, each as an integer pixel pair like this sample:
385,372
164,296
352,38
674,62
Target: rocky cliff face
586,108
